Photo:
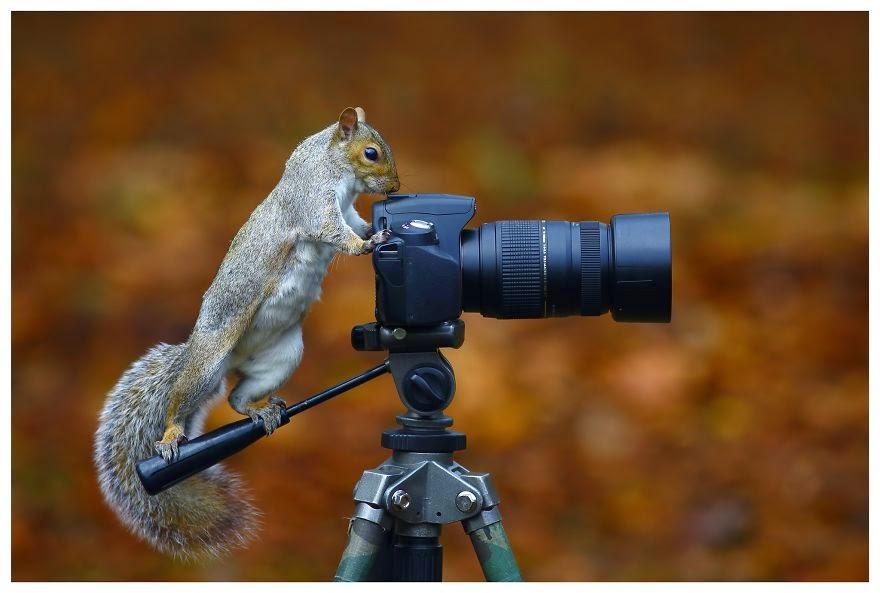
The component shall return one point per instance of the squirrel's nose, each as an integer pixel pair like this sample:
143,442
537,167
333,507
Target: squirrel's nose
394,186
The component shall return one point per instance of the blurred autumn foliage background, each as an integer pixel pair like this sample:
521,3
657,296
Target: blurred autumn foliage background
731,444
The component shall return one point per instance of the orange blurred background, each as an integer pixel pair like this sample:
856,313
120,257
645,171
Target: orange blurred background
731,444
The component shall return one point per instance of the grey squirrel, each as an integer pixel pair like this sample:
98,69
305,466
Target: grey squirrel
250,323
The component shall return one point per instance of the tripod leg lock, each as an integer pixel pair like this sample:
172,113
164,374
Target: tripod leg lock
373,514
483,519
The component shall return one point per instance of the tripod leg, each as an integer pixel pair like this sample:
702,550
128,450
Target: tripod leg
492,547
365,542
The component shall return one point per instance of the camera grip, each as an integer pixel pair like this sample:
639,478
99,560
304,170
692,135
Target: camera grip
199,454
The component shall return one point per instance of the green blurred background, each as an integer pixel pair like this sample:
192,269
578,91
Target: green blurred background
731,444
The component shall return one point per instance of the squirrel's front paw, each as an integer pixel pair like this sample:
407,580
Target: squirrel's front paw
270,414
377,239
168,446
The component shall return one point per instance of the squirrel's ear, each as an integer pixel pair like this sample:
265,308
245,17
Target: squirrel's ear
362,115
348,121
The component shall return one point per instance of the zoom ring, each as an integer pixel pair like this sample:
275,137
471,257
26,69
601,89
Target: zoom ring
522,269
591,270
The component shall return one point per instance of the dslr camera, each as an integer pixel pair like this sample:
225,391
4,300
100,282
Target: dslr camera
433,268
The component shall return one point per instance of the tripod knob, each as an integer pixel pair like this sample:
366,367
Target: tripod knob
428,389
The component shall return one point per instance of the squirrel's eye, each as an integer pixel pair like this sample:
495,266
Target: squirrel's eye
371,154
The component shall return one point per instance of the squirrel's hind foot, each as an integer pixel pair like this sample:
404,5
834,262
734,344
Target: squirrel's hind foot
270,414
168,446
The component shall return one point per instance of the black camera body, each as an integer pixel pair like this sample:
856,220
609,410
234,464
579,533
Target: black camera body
418,271
433,268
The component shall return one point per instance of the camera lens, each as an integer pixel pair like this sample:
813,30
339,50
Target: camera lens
518,269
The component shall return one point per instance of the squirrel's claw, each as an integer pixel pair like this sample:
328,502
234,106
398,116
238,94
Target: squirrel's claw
168,451
168,446
270,414
377,239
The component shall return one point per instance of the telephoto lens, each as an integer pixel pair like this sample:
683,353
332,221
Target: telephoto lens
518,269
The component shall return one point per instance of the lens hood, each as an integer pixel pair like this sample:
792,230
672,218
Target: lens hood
641,286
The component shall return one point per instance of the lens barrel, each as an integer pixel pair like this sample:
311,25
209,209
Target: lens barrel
517,269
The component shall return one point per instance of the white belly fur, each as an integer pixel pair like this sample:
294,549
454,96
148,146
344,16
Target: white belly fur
299,287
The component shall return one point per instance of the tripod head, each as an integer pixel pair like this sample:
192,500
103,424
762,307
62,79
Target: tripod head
424,380
423,377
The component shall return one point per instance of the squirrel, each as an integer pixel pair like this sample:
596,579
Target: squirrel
250,323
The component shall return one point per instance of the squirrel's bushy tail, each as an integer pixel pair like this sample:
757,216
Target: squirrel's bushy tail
204,515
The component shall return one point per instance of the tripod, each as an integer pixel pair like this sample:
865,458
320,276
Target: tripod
401,505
